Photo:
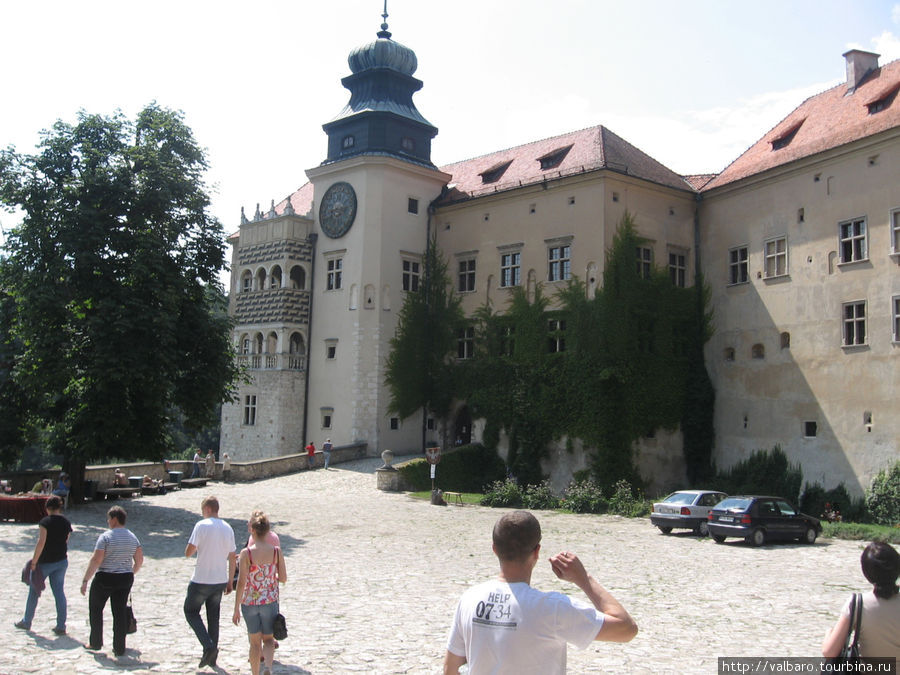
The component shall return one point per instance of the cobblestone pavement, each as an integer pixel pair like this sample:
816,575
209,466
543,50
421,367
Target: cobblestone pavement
373,579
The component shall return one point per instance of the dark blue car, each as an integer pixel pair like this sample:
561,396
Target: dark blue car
758,519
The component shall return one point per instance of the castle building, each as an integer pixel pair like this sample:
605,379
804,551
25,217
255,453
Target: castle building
798,239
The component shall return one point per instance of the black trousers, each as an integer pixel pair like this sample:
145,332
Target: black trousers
115,588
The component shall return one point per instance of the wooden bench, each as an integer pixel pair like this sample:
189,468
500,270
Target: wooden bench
116,492
193,482
158,489
456,498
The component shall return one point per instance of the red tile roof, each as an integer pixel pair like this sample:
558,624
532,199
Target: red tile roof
698,180
827,120
590,150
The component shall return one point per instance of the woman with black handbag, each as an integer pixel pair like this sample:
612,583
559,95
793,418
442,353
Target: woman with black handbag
260,571
876,623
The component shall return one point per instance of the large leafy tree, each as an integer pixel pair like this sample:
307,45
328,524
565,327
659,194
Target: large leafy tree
419,367
113,272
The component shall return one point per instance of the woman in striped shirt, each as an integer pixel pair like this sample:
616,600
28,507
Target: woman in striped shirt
117,558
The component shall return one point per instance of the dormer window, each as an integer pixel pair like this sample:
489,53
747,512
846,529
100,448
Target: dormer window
408,144
553,159
883,100
348,142
493,174
787,136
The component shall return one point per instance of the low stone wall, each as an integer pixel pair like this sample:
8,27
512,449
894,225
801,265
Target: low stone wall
104,475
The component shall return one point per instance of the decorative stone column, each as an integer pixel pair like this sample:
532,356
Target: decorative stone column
387,477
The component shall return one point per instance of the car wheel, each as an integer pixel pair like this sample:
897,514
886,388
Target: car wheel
757,537
702,529
719,539
810,536
665,530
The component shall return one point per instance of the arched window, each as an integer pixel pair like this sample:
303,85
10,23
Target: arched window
246,282
298,277
261,279
758,351
729,353
296,344
272,343
258,346
275,277
785,340
297,355
245,344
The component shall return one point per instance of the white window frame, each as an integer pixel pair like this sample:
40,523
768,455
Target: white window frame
327,417
644,256
510,269
250,408
411,274
465,343
895,317
851,322
895,232
773,256
856,238
466,276
334,270
737,263
678,268
556,332
559,262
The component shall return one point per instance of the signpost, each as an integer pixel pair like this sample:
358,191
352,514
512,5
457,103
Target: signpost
433,455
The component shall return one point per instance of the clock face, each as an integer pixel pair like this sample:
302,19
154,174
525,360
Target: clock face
337,210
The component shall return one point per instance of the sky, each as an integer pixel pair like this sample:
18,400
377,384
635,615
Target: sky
693,84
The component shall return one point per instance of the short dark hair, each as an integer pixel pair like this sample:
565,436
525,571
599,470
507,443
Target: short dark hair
118,513
881,566
54,503
516,535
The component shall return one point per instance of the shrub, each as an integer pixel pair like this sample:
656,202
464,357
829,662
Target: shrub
624,501
503,493
883,496
764,472
539,497
861,532
584,496
819,502
466,469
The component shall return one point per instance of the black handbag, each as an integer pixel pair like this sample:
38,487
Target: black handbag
850,651
132,622
279,630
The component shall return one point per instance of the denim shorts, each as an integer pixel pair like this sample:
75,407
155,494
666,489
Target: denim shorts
260,618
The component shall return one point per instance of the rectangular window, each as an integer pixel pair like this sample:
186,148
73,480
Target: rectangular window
559,264
738,266
644,261
429,424
810,429
854,323
410,275
895,231
776,257
556,329
677,269
250,410
395,423
330,349
326,421
465,342
335,269
466,276
412,205
507,340
895,317
853,240
510,269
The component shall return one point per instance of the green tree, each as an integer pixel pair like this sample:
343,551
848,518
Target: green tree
419,367
113,271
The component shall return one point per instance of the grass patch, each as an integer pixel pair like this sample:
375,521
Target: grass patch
861,531
467,497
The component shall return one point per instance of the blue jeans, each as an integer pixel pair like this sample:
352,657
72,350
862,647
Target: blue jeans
327,458
195,471
197,596
55,574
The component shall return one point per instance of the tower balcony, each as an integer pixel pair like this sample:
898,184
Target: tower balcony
282,361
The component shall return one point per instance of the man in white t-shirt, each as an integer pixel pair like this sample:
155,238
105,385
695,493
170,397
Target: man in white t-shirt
506,626
213,542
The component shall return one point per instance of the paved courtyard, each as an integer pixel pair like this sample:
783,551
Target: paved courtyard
373,580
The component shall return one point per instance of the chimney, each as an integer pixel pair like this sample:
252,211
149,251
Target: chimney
859,64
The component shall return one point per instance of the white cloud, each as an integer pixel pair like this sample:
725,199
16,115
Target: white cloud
887,44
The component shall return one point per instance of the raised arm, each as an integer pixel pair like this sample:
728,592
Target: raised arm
618,626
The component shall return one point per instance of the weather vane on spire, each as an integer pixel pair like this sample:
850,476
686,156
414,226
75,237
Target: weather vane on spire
384,26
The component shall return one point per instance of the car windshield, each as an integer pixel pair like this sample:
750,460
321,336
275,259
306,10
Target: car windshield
734,504
680,498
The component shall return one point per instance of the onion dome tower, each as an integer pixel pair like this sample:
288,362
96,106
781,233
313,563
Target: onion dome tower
381,118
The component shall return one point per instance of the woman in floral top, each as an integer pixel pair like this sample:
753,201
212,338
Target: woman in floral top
261,569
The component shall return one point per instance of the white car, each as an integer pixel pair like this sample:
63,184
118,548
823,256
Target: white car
686,509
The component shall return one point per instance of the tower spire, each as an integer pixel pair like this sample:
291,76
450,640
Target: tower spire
384,32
